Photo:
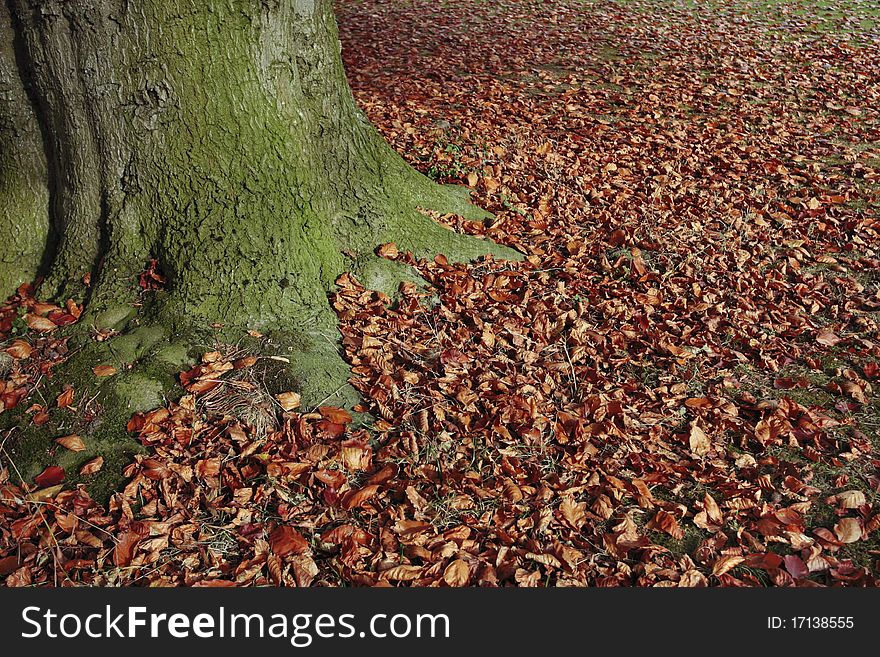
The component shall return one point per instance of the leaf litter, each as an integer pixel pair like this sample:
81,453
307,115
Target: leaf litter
675,387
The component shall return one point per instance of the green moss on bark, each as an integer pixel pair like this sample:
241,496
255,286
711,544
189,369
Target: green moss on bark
24,195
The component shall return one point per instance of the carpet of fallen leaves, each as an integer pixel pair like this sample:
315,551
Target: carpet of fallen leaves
674,388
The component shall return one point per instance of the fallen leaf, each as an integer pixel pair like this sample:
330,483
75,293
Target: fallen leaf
848,530
825,336
289,400
19,349
65,399
50,476
389,251
457,573
93,466
104,370
726,563
699,442
335,415
851,499
666,522
74,443
285,540
42,324
45,494
402,573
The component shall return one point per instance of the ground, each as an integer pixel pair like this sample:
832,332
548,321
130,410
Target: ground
676,387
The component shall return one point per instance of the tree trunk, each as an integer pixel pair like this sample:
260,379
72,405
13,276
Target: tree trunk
24,195
221,139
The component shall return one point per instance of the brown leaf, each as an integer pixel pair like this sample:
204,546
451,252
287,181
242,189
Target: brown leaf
335,415
284,540
726,563
763,433
20,578
74,443
511,492
851,499
825,336
125,547
848,530
573,512
402,573
45,494
854,390
457,573
19,350
93,466
38,323
8,565
699,442
357,498
666,522
65,399
693,579
712,509
389,251
215,584
104,370
304,569
208,467
795,566
289,400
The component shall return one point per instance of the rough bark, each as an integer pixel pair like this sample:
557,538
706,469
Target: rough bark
24,192
221,139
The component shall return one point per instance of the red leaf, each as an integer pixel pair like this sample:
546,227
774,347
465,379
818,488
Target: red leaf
795,566
50,476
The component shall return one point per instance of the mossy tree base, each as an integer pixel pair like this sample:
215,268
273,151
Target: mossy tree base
222,141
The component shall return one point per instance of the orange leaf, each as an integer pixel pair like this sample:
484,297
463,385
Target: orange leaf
284,540
389,250
65,399
335,415
104,370
666,522
357,498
